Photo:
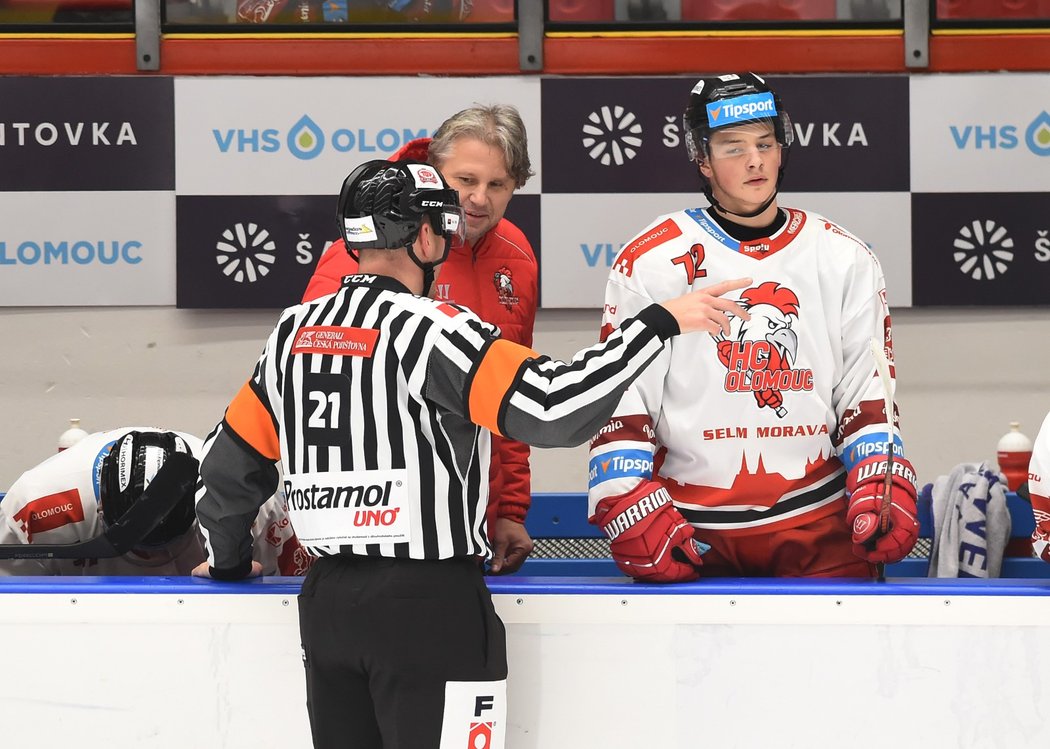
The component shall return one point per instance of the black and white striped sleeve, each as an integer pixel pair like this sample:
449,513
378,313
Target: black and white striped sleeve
518,393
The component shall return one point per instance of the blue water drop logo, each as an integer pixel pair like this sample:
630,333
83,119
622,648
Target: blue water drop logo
305,139
1037,136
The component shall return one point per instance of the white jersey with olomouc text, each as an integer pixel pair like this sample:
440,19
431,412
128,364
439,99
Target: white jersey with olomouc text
750,431
57,502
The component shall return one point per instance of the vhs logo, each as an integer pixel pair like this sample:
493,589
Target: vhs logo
306,139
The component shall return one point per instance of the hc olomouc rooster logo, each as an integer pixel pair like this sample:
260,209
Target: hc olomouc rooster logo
759,354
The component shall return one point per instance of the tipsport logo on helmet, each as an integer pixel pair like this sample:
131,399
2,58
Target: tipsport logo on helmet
741,109
306,140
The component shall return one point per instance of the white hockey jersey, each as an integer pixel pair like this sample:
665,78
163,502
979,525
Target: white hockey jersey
1039,490
749,432
57,502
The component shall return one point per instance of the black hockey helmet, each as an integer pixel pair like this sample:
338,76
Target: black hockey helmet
734,99
382,205
129,468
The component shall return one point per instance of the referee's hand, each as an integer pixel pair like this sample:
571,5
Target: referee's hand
704,310
511,546
203,570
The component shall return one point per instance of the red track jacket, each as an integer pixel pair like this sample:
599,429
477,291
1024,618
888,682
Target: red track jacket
497,279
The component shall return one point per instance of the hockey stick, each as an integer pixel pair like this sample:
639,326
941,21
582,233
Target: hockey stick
177,476
882,364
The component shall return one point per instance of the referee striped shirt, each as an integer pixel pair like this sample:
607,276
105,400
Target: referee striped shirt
379,405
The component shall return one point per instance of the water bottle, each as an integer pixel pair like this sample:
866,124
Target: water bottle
71,436
1014,453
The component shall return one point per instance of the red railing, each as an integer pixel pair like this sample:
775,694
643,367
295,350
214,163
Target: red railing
474,49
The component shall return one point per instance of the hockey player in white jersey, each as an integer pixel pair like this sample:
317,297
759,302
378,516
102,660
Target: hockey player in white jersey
74,495
771,441
1039,491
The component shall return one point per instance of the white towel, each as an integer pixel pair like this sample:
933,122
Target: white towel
971,522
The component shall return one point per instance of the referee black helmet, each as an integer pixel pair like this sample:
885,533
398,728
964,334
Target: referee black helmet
383,203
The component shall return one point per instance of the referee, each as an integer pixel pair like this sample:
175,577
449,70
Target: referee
380,402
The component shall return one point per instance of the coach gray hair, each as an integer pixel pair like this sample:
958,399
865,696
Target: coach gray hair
498,125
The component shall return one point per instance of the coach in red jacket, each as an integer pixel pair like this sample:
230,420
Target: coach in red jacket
483,153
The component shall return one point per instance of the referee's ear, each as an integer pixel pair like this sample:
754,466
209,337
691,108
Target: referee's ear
431,246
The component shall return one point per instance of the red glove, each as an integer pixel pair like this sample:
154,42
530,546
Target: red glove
865,486
651,540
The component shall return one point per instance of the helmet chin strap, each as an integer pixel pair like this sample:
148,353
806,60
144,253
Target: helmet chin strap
428,278
429,268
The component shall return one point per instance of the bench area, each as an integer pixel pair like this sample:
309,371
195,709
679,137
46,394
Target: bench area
567,545
580,638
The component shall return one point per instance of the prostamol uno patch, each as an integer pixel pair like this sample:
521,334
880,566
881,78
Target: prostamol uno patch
349,507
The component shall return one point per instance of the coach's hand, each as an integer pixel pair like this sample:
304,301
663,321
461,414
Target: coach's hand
651,541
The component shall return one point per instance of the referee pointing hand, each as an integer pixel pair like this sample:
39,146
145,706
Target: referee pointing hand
379,402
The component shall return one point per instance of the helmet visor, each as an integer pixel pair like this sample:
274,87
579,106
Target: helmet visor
743,141
454,225
446,214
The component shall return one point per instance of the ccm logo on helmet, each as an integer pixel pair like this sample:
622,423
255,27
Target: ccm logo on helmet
641,509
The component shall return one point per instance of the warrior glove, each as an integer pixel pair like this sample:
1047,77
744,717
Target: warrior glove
885,523
651,541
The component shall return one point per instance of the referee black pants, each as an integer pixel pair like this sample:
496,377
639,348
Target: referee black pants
383,638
